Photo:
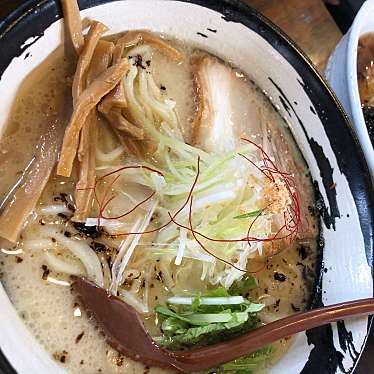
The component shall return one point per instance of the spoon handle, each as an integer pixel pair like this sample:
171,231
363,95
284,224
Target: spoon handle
262,336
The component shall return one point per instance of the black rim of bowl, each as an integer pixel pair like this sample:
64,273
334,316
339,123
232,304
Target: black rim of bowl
32,17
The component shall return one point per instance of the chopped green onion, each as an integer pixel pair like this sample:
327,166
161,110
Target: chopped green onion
250,214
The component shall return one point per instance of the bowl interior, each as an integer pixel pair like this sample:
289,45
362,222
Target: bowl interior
315,119
363,24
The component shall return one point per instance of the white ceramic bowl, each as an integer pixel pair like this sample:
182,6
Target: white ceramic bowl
341,72
231,30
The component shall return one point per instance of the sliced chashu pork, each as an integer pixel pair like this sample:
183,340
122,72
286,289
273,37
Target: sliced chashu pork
226,110
230,108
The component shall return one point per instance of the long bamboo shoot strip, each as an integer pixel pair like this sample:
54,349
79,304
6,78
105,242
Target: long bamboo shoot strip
73,24
133,38
85,103
87,146
96,31
27,194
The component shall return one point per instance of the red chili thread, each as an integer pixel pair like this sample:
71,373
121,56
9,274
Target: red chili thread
175,214
291,216
104,204
132,209
101,202
131,167
195,233
202,245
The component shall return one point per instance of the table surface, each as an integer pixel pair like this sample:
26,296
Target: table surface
308,23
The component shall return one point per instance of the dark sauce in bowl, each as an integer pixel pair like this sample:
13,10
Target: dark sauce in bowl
365,75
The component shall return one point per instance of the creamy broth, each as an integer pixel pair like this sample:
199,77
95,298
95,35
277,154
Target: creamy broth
42,296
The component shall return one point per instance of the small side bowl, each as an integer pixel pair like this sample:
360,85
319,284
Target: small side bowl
341,72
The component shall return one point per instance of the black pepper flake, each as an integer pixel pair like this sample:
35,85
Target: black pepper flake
277,303
312,211
62,215
63,197
46,272
99,247
53,240
295,308
90,231
128,282
139,62
42,222
163,88
303,253
60,356
67,234
82,362
148,63
79,337
19,259
118,360
279,277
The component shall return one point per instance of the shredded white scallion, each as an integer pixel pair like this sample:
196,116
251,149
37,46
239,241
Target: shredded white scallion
182,246
62,266
233,300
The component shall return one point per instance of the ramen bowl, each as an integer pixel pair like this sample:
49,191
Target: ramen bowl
238,34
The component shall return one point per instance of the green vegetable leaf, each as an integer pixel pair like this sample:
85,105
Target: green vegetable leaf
204,335
242,286
218,292
173,325
163,311
205,319
248,362
249,215
196,303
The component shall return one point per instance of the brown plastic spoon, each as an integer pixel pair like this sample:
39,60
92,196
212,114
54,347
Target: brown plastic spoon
125,332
